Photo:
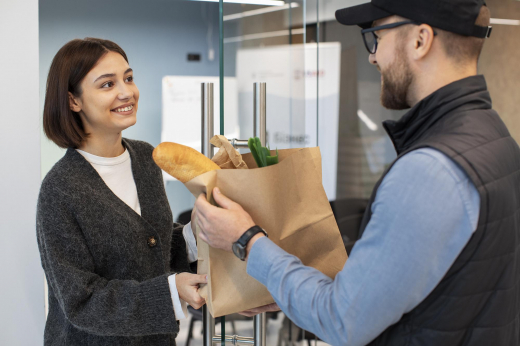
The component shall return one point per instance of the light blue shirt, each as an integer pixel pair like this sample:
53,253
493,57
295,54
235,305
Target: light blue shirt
425,212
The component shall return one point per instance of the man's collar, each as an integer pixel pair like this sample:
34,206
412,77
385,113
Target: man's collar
412,126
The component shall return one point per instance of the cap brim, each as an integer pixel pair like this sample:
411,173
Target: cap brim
363,15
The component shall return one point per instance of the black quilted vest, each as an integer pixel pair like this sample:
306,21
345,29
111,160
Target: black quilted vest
478,300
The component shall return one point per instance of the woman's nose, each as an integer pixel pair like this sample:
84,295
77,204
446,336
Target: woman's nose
125,91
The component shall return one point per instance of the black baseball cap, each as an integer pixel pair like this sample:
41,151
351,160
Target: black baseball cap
457,16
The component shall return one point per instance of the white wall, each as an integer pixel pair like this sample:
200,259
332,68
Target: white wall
22,316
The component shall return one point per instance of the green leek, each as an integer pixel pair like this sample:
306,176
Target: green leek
262,155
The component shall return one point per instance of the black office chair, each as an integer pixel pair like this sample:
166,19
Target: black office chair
349,214
184,217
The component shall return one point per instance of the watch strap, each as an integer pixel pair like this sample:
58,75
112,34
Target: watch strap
250,233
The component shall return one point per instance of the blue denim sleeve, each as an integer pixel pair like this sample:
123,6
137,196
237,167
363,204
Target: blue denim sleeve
425,211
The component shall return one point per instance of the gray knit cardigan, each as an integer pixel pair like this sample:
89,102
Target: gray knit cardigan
107,267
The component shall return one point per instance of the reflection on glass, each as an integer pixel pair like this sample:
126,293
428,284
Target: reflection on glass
364,150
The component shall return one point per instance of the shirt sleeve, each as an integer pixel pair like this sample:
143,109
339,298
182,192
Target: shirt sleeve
179,306
191,243
424,213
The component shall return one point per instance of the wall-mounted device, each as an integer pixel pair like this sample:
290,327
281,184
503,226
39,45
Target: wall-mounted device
193,57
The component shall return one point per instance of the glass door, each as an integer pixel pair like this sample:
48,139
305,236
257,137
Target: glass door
265,42
269,42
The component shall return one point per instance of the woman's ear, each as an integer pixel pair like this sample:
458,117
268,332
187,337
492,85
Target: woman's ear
75,104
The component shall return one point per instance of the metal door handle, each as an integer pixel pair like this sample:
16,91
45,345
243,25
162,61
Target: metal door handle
259,338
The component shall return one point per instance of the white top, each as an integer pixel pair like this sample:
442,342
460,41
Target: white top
117,174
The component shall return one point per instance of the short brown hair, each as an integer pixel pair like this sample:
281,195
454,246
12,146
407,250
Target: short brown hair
70,65
464,49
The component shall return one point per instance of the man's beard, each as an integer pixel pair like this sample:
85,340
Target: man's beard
396,83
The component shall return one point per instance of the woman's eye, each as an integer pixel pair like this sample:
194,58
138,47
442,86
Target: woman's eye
130,78
107,85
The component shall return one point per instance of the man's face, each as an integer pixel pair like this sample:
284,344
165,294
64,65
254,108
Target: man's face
391,60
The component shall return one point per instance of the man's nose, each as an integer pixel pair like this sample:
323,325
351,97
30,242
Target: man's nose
372,59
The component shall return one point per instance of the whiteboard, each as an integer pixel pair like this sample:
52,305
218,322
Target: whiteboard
182,108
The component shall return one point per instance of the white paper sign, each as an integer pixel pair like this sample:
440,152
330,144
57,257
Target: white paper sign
291,74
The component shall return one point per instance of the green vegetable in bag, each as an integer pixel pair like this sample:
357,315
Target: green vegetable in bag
262,155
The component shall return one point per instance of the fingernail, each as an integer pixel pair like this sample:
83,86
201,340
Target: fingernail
217,190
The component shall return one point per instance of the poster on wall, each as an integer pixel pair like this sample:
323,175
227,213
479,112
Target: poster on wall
302,98
181,110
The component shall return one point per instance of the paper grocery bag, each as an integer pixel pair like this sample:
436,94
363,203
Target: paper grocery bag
289,202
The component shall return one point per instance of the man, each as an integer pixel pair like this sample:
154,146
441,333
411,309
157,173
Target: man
437,262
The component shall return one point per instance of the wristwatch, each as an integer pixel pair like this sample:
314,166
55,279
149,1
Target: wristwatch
239,247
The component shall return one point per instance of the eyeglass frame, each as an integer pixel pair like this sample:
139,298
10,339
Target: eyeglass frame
383,27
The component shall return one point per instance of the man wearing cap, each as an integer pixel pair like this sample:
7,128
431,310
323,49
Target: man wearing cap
437,262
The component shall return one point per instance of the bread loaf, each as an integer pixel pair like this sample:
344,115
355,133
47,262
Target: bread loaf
182,162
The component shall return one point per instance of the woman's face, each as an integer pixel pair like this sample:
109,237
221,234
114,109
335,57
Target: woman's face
108,101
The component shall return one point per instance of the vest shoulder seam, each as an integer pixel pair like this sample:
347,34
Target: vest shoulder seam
486,143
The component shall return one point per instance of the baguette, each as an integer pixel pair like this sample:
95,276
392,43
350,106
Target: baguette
182,162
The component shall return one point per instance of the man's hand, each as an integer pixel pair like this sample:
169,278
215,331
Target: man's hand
188,288
260,309
221,227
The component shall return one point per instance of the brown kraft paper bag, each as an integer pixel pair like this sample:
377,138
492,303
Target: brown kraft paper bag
289,202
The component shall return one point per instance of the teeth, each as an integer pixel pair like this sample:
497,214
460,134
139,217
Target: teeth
124,109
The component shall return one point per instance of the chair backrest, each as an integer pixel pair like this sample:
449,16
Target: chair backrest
349,214
184,217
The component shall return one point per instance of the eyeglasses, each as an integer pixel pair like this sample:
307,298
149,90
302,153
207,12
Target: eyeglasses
370,37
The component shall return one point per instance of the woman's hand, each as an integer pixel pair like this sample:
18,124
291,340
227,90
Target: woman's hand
188,288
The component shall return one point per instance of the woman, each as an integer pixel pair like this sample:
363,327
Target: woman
107,240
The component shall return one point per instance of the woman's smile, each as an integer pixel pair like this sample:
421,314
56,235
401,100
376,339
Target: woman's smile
126,109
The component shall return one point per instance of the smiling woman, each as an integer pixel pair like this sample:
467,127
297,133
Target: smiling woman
107,104
73,62
116,264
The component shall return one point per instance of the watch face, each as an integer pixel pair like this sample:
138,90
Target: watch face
239,251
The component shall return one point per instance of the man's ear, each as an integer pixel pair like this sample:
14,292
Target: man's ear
75,104
423,41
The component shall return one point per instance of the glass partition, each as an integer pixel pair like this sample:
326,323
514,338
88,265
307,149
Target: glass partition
277,43
364,150
266,43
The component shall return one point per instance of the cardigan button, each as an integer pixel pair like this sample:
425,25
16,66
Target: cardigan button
152,241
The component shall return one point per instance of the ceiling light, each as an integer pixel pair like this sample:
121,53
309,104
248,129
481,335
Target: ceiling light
264,35
368,122
260,11
251,2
